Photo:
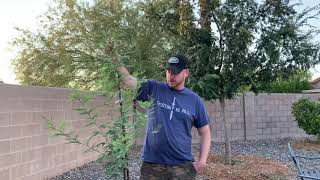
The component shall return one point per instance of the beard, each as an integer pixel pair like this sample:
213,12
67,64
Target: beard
175,84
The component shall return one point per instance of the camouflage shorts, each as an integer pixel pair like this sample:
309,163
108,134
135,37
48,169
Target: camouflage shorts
152,171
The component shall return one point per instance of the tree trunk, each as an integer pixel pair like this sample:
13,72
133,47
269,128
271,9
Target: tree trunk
185,19
205,20
227,156
124,132
126,174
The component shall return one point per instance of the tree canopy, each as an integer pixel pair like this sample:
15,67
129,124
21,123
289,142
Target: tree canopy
250,44
230,44
68,49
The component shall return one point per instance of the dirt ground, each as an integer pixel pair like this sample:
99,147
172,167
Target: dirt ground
307,145
249,167
246,168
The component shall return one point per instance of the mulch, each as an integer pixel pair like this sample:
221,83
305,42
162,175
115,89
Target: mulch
246,167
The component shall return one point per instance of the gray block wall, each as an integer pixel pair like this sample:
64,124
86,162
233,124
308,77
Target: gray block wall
27,151
253,117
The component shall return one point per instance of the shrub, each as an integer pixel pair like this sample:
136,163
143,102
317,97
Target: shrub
292,84
307,114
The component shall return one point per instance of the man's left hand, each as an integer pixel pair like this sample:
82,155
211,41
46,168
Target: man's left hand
199,166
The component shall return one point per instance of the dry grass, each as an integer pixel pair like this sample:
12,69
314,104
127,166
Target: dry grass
246,168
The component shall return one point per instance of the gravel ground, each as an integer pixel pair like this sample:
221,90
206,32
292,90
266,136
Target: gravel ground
274,149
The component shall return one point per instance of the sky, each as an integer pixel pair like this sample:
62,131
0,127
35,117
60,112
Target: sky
24,13
16,13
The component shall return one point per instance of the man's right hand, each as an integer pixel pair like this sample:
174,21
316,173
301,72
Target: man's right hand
109,49
126,78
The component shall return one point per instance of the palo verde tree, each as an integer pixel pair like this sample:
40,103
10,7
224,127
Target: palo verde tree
239,43
68,49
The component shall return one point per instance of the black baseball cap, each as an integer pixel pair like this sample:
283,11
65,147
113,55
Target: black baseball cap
177,63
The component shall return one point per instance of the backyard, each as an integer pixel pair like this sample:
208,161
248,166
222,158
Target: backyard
86,62
258,160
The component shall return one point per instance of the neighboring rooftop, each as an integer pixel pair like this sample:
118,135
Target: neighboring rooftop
315,83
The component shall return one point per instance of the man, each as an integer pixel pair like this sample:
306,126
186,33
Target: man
167,152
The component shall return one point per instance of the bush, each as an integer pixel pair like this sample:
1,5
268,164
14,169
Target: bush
293,84
307,114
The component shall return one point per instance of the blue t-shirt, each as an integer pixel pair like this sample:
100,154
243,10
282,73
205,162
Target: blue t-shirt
171,116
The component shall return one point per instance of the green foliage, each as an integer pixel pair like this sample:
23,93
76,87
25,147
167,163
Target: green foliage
246,44
307,114
68,50
294,84
111,139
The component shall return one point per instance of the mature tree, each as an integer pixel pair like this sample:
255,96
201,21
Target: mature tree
241,43
68,49
253,43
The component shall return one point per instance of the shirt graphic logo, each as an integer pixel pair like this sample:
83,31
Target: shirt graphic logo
172,108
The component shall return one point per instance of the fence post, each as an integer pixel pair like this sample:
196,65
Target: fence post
250,125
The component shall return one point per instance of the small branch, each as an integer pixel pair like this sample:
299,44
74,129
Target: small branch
221,44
